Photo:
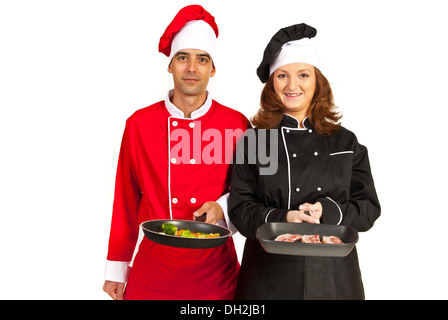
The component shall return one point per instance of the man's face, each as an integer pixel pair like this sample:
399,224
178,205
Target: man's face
191,71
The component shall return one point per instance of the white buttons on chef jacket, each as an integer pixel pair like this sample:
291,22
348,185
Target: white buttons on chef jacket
173,160
297,189
192,161
175,123
294,155
174,200
191,124
288,131
193,200
319,188
316,153
310,131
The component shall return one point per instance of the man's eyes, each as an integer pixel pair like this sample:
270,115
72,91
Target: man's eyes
200,59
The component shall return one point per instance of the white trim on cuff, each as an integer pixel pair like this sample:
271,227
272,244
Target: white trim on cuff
227,223
117,271
266,219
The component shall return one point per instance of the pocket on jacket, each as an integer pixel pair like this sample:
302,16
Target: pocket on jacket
341,163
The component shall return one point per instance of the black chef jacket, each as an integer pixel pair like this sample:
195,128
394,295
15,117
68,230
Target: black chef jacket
333,170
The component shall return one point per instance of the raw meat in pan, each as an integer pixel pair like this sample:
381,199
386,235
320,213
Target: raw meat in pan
332,240
311,239
287,237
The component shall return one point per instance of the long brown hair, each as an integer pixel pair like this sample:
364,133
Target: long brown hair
322,111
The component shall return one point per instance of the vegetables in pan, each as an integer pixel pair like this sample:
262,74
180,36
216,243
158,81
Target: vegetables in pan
171,229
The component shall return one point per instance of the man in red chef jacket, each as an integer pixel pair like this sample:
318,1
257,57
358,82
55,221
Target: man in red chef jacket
162,176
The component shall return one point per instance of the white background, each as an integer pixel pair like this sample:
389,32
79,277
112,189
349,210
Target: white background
71,72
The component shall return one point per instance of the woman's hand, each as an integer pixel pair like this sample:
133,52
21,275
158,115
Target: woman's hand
307,212
315,210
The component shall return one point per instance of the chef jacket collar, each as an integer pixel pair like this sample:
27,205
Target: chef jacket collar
291,122
177,113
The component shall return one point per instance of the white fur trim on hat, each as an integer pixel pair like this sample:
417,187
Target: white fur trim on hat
196,34
302,50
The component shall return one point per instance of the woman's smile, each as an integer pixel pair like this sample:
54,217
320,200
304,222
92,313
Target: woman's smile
293,95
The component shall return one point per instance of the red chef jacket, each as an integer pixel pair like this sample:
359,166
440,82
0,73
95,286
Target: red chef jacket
168,167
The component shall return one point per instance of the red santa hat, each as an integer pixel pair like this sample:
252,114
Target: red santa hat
192,28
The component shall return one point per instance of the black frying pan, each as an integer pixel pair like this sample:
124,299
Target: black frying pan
267,232
152,229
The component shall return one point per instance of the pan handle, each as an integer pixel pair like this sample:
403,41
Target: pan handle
201,218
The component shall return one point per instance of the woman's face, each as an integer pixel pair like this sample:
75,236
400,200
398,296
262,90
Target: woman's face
295,84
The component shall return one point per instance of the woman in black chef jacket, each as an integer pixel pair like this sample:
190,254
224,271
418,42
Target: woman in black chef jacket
322,169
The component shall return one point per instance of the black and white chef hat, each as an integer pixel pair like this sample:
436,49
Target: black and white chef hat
289,45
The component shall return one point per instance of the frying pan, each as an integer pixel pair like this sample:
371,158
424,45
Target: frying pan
153,228
267,232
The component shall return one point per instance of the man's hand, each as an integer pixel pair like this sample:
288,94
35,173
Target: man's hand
114,289
213,211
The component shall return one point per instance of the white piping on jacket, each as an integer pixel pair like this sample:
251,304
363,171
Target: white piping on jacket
289,171
169,168
176,113
287,154
342,152
340,211
298,126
